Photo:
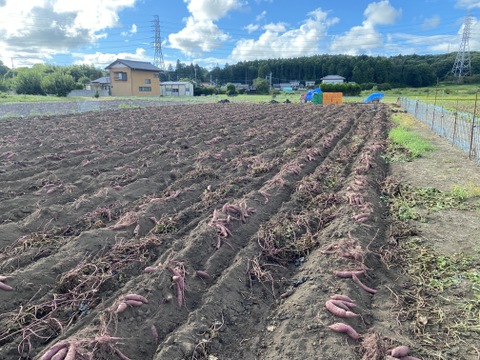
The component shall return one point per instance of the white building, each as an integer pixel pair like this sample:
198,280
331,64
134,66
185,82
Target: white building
333,79
176,88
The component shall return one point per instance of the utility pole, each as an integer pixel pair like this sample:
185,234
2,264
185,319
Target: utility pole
270,81
462,65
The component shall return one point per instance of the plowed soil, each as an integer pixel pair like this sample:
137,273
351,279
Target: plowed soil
230,219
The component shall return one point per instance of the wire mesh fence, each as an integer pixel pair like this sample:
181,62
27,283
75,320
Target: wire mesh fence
460,128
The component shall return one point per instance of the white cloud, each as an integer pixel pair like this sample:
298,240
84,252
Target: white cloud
468,4
252,28
211,9
133,30
197,37
431,23
365,38
35,30
381,13
280,27
278,42
102,60
200,33
261,16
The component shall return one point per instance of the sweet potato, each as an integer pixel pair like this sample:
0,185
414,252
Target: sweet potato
340,304
72,351
136,298
362,285
341,297
60,355
335,310
344,328
150,269
202,274
53,350
121,308
5,287
400,351
134,302
348,273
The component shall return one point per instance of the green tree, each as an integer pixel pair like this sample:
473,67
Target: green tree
262,86
29,81
58,83
84,80
231,90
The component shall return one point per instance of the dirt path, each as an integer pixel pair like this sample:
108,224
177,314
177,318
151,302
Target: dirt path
447,167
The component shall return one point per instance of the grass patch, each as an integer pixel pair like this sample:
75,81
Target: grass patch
404,144
407,202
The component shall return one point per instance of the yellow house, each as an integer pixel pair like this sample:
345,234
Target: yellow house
134,78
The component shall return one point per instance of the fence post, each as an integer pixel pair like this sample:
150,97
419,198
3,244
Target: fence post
455,121
473,126
434,104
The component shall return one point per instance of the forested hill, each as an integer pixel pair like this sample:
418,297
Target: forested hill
401,70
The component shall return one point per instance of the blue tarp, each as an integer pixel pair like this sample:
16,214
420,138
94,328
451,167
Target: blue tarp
309,95
372,97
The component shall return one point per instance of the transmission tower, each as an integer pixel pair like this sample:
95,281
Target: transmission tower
462,65
157,45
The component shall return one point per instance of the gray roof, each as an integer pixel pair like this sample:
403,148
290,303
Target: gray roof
102,80
333,77
135,65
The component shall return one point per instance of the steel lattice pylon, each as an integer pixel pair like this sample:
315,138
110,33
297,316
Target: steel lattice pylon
157,44
462,65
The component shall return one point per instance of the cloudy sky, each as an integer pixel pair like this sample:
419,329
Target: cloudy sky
211,32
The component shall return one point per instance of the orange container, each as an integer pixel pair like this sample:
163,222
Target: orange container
332,98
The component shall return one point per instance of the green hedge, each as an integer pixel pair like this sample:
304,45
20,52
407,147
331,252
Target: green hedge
346,89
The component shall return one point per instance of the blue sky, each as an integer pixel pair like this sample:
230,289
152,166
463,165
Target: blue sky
211,32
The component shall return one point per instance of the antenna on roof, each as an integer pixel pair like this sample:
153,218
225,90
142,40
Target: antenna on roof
157,45
462,65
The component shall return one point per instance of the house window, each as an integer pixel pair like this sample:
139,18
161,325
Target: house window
156,76
148,81
120,76
145,88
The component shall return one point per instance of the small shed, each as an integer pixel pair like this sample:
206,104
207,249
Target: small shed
333,79
176,88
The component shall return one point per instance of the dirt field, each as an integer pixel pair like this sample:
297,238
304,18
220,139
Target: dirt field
234,222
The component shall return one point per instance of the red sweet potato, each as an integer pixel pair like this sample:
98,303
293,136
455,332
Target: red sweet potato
60,355
344,328
134,302
136,298
5,287
53,350
400,351
362,285
335,310
341,297
121,308
348,273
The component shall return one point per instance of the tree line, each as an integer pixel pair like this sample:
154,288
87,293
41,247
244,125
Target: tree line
388,72
44,79
367,71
